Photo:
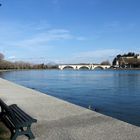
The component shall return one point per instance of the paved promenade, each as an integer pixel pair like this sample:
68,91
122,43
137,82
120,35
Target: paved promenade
60,120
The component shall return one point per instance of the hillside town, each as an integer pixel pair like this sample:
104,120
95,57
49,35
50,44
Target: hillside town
130,60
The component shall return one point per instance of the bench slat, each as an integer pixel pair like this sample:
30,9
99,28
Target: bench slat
8,122
22,114
26,117
21,120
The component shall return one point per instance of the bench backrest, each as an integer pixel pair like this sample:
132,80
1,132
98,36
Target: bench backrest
4,107
6,110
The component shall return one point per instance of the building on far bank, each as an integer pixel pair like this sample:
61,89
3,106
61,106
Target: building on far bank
130,60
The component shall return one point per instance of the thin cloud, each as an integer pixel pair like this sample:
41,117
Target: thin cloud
117,26
96,56
98,53
92,56
12,57
33,34
46,37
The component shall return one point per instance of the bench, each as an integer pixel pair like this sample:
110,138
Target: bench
18,122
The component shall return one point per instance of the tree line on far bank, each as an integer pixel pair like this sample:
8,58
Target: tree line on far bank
4,64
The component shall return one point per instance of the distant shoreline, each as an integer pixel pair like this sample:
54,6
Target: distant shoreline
125,69
24,69
72,69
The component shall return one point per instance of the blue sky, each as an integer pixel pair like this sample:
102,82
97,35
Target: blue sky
68,31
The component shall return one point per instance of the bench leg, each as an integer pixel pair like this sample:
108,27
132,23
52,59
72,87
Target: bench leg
0,115
17,132
14,135
29,133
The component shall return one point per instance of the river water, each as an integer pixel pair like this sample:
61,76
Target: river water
115,93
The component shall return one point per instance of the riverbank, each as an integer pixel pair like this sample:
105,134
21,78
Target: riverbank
60,120
115,69
124,68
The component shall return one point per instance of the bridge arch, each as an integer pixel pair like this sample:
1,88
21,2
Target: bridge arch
84,67
68,67
98,68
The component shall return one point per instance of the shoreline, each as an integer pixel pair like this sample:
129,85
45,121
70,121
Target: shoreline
117,69
60,120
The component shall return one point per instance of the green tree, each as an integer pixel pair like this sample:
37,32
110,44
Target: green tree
105,63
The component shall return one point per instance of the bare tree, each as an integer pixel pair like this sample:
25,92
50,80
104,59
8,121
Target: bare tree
4,64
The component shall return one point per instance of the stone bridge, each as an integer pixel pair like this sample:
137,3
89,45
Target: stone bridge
83,66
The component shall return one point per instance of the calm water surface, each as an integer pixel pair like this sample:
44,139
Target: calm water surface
114,93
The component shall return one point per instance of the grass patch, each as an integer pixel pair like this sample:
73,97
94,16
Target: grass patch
4,132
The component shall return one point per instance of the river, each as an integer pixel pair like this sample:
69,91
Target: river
114,93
